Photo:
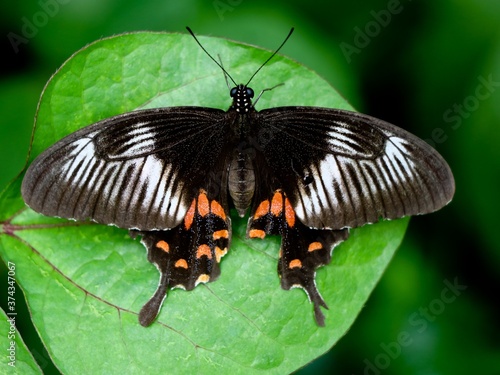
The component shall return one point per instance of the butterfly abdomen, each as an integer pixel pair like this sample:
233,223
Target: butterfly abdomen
241,181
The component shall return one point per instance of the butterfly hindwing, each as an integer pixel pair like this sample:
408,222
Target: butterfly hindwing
303,249
140,170
143,171
344,169
190,253
335,170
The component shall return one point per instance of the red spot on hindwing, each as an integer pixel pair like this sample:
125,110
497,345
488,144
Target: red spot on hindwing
219,253
204,250
223,233
203,204
277,203
188,219
289,213
256,233
163,246
181,263
262,209
216,209
313,246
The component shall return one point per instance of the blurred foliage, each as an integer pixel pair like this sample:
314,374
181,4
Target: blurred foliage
430,67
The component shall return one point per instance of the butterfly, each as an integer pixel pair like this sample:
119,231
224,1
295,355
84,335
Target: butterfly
172,174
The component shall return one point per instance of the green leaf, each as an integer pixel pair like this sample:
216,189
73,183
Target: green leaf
85,283
15,359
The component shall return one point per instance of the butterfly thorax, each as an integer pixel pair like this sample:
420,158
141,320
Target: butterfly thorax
242,98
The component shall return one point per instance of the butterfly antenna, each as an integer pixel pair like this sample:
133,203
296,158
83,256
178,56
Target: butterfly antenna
225,75
209,55
270,57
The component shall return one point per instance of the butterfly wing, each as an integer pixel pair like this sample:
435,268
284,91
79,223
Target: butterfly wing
161,171
139,170
344,169
334,170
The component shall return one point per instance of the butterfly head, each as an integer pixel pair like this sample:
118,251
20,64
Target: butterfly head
242,98
242,94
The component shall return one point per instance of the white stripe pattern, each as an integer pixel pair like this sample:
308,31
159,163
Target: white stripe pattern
125,193
356,191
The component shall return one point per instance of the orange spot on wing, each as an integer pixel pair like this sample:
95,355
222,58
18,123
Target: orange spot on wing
203,205
277,203
223,233
295,264
313,246
217,210
256,233
289,213
219,253
181,263
262,210
163,246
203,278
188,219
204,250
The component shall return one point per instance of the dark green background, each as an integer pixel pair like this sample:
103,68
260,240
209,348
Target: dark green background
431,67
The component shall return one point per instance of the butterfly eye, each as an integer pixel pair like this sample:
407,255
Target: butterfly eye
249,92
233,92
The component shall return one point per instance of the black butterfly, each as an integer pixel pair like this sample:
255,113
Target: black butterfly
307,174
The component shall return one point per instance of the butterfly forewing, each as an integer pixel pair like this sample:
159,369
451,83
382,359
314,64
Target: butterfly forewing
344,169
129,170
